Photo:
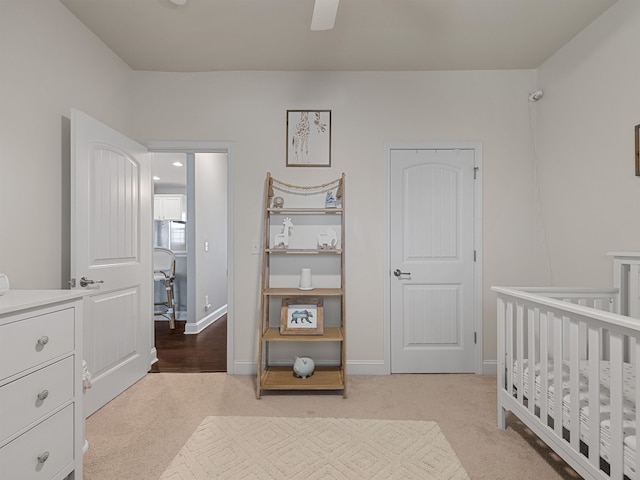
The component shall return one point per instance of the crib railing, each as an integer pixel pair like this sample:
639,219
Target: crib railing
548,327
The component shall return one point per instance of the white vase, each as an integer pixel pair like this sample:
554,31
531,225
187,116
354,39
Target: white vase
305,279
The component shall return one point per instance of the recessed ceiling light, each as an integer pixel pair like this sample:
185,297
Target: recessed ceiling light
178,2
176,164
155,179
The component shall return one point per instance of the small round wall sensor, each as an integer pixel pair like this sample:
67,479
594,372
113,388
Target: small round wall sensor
535,95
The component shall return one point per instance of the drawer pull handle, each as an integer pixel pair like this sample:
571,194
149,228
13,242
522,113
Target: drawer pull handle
43,340
43,394
43,458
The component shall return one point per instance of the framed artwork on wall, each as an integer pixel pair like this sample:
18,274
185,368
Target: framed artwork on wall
637,150
308,138
301,316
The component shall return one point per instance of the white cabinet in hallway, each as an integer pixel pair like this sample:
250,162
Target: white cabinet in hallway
170,207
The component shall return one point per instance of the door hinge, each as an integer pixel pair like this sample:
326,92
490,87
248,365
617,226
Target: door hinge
475,337
475,172
475,256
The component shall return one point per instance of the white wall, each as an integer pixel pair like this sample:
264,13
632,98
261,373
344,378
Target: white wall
368,108
210,188
586,148
49,63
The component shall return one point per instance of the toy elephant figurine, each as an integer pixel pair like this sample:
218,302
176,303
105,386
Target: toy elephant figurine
328,239
303,367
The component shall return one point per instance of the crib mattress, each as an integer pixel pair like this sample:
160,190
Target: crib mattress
629,411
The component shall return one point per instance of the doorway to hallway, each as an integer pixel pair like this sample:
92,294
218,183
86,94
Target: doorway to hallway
208,320
180,353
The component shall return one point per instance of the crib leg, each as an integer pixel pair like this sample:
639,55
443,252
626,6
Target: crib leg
502,417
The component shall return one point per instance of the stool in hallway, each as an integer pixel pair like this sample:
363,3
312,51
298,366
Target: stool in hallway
164,271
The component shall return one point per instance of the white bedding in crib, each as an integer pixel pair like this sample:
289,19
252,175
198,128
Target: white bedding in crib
629,411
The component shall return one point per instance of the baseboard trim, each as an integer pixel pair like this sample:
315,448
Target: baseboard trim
195,328
244,368
490,367
362,367
367,367
154,356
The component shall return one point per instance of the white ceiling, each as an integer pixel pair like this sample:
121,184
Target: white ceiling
369,35
211,35
168,174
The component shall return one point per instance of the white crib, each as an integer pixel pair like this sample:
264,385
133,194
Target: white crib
579,347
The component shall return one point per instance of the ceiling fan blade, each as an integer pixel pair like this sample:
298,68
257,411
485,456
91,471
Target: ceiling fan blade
324,14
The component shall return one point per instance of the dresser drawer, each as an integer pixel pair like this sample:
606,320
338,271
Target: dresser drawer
33,396
32,341
19,458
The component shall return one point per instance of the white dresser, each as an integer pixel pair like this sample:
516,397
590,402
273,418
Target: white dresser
41,416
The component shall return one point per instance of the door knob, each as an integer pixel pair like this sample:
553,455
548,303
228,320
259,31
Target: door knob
397,272
84,281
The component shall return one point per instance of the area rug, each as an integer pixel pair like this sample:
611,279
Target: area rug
315,448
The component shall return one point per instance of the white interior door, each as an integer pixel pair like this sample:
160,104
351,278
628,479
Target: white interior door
432,261
111,244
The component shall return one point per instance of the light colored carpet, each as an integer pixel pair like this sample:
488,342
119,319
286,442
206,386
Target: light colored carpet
139,433
315,448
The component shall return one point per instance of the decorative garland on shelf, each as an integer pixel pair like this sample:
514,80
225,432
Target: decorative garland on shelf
305,190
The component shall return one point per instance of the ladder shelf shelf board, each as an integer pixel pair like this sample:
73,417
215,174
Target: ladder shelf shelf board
296,292
282,378
305,211
304,226
331,334
305,251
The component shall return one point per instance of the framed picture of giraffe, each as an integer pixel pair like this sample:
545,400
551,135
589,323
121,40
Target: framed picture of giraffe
308,138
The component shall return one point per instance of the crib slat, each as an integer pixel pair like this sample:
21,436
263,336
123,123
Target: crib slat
502,413
616,453
531,355
583,344
509,346
583,327
544,367
636,365
557,373
574,384
634,286
594,396
565,338
520,350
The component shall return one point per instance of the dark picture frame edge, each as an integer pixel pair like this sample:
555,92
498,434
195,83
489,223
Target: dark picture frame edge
638,150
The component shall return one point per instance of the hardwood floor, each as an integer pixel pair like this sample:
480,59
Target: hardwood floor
180,353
